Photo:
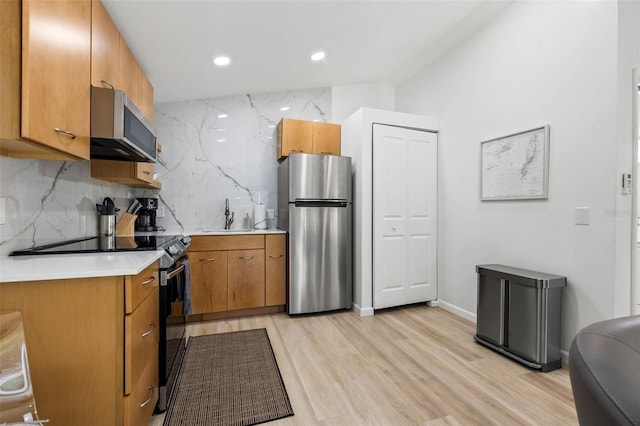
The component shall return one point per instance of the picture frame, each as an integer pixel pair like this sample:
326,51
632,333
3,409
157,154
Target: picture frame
516,166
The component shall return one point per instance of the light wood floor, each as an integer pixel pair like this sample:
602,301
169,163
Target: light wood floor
411,365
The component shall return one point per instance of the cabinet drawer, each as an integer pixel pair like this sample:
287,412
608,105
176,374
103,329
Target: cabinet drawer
226,242
144,171
141,341
139,405
138,287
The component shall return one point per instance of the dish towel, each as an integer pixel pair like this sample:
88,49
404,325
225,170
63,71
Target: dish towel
186,294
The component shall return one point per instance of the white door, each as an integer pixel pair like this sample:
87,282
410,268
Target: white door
404,216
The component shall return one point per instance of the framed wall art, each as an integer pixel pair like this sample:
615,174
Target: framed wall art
515,167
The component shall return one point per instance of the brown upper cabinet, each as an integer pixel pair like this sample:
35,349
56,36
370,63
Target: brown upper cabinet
45,78
145,95
105,48
114,65
307,136
52,52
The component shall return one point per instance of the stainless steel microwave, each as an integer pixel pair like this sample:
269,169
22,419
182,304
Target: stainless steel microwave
119,131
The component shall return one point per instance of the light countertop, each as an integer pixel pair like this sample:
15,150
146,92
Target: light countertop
204,231
65,266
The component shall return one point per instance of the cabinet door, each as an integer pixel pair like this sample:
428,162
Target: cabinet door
145,95
128,72
294,136
276,270
105,48
326,138
208,281
56,74
246,279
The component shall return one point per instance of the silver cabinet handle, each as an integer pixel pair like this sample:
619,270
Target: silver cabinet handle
152,327
65,132
150,398
150,280
106,83
209,259
276,257
246,257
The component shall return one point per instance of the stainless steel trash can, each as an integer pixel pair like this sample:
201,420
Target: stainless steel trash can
519,314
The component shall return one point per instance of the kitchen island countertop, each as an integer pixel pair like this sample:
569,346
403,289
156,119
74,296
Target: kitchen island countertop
66,266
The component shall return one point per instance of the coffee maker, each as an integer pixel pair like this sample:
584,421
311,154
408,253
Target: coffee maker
146,220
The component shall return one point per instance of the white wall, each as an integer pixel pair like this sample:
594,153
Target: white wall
345,100
536,63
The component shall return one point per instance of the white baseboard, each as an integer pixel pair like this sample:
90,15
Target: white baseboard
433,303
458,311
363,312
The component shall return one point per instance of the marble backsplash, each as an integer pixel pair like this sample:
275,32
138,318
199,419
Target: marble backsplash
213,149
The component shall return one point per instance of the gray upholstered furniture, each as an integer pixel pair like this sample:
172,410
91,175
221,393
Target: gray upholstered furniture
604,365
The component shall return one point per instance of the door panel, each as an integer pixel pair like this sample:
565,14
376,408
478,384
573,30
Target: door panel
319,177
208,281
404,215
246,279
320,259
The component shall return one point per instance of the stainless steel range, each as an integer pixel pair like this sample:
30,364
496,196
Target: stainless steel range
174,276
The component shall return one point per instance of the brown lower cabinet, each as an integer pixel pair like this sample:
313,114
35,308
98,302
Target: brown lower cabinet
92,345
237,272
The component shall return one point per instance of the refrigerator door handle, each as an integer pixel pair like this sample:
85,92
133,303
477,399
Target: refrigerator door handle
318,202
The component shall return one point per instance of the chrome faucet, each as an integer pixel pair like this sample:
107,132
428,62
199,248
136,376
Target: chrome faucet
228,216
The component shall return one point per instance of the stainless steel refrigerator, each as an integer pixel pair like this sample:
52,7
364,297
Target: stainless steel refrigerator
314,206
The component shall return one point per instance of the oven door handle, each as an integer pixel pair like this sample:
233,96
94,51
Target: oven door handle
175,272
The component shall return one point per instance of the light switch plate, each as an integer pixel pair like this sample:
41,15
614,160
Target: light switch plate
583,215
160,211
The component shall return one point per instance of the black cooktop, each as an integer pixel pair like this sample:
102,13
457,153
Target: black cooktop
101,244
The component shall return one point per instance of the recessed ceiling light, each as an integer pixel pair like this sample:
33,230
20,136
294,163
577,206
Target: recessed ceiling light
222,115
222,61
221,140
284,108
318,56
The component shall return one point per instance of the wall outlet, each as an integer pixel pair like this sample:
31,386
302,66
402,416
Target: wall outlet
160,211
583,215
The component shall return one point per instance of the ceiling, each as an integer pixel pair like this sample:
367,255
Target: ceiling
270,41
